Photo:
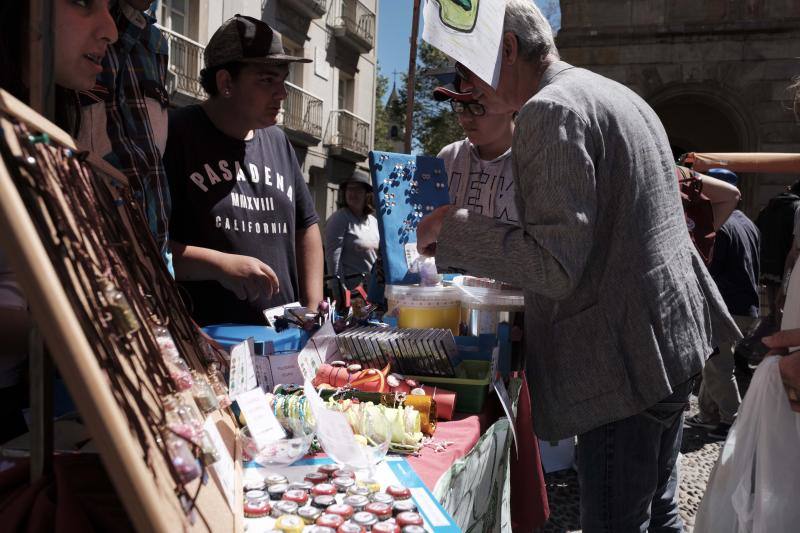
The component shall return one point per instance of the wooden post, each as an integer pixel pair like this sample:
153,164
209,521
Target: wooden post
412,71
41,398
42,99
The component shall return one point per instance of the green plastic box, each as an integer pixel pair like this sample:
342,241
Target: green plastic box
470,390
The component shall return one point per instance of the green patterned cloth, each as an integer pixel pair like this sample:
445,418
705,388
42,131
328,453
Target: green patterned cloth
476,490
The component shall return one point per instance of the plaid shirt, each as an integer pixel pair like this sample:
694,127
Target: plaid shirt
124,117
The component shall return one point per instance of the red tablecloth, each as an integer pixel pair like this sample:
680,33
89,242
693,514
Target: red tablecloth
529,505
463,433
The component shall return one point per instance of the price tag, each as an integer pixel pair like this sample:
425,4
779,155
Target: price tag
243,373
319,349
224,469
261,422
263,372
334,432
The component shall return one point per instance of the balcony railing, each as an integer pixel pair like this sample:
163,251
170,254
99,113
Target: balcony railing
348,135
312,9
301,116
185,64
355,23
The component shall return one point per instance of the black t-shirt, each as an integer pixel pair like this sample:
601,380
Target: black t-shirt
735,264
235,196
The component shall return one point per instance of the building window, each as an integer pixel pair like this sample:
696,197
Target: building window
174,15
346,91
295,69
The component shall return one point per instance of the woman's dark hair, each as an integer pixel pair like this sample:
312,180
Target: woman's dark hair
208,76
14,18
369,206
13,31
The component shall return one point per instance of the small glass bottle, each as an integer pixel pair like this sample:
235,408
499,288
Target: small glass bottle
120,309
217,383
176,421
178,369
210,452
194,420
182,459
203,394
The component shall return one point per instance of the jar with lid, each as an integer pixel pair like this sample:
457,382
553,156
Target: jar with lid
120,309
203,394
217,382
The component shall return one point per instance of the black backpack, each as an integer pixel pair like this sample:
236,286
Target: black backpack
776,224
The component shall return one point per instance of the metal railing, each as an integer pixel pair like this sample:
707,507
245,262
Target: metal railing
357,19
349,132
302,111
185,64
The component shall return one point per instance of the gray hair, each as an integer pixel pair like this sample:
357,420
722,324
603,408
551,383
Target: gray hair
534,34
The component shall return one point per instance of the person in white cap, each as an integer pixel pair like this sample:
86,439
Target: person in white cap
479,170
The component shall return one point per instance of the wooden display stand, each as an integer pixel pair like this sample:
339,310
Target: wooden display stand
139,472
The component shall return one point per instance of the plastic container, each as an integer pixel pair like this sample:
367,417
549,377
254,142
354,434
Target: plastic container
280,452
424,307
484,305
470,386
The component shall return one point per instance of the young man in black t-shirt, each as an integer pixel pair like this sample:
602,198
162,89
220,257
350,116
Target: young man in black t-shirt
243,225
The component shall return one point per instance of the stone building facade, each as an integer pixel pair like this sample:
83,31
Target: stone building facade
716,71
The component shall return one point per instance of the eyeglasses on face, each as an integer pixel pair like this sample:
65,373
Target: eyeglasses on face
473,108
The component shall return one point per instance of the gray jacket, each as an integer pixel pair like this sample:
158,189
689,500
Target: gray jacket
619,306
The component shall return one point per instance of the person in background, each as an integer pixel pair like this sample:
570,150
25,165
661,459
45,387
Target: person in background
787,341
351,235
617,299
481,178
81,36
124,116
777,222
734,267
244,231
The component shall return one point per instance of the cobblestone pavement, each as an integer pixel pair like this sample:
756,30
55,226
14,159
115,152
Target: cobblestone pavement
698,455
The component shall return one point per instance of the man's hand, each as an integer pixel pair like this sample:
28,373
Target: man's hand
429,228
789,365
247,277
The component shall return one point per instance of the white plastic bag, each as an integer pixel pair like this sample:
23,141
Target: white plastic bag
755,485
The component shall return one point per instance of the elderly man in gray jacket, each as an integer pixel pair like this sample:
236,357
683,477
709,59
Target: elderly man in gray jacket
619,306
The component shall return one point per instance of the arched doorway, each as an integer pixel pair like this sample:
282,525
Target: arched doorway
703,119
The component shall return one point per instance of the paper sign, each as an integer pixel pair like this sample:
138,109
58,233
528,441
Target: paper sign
505,401
263,372
469,31
334,432
495,359
411,253
318,350
261,422
224,469
243,373
280,368
275,312
285,369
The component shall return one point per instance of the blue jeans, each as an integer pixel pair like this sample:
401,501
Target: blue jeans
628,470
